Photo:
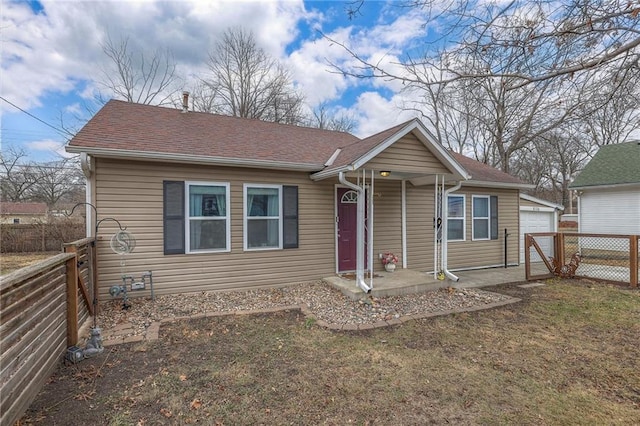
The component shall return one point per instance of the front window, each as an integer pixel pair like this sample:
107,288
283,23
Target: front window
480,217
207,217
455,218
263,213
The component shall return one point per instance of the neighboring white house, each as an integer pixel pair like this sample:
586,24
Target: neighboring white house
538,215
609,191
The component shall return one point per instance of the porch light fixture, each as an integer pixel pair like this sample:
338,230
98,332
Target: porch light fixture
385,173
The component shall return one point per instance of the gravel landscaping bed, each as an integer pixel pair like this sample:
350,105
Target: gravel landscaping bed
324,302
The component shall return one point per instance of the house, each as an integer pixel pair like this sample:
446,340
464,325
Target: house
217,202
537,215
22,213
609,191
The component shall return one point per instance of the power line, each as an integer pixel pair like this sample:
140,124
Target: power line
62,132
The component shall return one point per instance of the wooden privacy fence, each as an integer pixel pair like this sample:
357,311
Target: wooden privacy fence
607,257
42,308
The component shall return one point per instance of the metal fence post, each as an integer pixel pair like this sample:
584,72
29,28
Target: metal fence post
633,260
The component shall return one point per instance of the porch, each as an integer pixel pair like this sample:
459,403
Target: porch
407,281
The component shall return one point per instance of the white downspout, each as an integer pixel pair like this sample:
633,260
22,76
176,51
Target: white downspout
85,165
404,224
445,241
359,234
370,230
435,227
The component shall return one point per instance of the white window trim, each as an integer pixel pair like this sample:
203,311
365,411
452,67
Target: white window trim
246,219
464,217
488,218
187,217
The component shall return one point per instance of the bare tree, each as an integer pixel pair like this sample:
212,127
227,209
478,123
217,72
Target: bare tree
322,118
487,116
16,175
56,180
136,76
613,111
48,182
551,162
566,38
244,81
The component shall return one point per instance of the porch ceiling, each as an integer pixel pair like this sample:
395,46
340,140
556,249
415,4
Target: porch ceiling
417,179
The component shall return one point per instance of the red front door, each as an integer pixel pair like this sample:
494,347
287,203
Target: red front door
347,200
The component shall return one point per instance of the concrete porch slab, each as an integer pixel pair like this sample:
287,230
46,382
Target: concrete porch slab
407,281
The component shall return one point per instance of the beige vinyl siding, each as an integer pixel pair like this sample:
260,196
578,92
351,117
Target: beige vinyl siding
420,233
387,228
472,254
407,155
132,192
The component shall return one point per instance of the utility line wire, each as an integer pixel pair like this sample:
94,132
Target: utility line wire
62,132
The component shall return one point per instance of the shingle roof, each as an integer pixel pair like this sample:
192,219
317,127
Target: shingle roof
136,130
612,165
134,127
23,208
483,172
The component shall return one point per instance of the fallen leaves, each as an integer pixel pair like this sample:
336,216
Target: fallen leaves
85,396
165,412
195,404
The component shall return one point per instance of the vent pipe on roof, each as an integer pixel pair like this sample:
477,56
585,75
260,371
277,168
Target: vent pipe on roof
185,101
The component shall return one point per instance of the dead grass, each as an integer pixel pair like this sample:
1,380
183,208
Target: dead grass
10,262
566,355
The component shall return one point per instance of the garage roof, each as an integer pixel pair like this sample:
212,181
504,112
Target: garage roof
616,164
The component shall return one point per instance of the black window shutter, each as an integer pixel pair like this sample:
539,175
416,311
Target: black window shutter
494,216
290,217
173,216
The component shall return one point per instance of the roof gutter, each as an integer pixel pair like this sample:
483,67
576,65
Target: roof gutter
500,185
333,157
194,159
332,172
445,239
606,186
360,282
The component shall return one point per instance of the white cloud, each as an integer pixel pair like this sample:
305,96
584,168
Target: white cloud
375,113
59,49
55,49
311,68
49,146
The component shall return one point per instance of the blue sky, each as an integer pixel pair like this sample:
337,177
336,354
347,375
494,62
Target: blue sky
52,60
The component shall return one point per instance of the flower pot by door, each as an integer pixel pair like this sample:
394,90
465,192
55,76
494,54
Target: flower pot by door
390,267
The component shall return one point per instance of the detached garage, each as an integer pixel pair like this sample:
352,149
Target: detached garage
609,191
537,215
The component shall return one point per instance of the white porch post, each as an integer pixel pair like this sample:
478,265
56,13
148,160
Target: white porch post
359,230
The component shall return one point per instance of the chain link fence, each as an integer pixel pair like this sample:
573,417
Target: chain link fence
600,256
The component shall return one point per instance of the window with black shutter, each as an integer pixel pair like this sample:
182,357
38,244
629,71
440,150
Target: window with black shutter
494,217
173,214
290,217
